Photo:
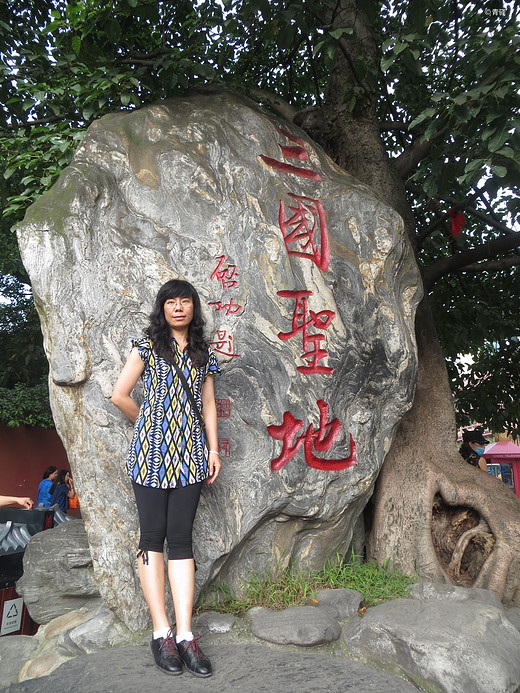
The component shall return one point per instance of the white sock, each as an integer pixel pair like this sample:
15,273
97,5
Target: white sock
184,636
161,633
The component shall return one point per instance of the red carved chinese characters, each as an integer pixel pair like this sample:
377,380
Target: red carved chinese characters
224,344
321,440
223,408
224,447
304,229
227,276
302,319
298,152
230,308
299,230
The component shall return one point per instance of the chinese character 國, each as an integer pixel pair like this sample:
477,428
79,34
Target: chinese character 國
299,229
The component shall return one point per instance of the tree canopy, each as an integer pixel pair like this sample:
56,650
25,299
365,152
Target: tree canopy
439,81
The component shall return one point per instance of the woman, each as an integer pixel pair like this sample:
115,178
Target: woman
61,490
44,496
170,456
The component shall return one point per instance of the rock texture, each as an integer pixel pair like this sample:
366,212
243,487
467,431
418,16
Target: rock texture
58,573
213,189
300,625
444,645
340,603
440,643
14,651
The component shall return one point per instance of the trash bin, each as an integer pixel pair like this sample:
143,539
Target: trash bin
17,526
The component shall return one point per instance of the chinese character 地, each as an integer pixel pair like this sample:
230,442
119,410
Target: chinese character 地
301,320
320,440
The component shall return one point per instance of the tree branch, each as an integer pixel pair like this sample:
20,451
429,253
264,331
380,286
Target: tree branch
389,125
406,162
494,266
459,261
278,104
34,123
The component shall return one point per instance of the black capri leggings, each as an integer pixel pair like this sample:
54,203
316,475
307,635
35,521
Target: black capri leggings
167,514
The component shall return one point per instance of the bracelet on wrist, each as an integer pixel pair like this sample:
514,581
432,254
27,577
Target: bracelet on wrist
215,452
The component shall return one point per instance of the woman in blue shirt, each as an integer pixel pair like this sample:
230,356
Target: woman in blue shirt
44,496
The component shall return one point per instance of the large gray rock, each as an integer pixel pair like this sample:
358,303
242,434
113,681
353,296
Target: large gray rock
102,631
180,188
341,603
443,645
306,626
14,650
58,575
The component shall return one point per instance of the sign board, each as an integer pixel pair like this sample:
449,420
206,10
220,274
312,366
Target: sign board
12,616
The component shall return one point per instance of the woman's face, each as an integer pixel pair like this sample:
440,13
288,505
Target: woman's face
53,476
178,312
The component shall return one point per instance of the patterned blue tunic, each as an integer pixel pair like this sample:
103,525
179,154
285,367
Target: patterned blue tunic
168,446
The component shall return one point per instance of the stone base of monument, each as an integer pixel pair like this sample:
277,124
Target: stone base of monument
443,638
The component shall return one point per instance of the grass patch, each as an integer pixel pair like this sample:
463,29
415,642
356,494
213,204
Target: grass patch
291,588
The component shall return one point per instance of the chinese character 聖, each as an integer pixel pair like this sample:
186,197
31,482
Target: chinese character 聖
302,319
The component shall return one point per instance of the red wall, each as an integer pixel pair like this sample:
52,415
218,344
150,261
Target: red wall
25,453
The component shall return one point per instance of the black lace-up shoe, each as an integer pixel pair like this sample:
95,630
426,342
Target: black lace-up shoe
194,658
166,655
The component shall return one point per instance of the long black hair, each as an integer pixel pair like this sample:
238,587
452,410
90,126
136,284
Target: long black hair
50,470
60,479
159,331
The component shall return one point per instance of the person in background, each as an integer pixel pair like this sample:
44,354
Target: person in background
61,490
44,496
26,503
473,447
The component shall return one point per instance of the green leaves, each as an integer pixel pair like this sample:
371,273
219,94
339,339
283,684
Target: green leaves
448,72
26,406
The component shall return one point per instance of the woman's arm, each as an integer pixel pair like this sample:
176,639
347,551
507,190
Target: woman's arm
16,500
209,412
132,371
482,464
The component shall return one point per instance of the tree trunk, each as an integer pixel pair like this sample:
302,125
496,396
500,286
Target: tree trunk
434,514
